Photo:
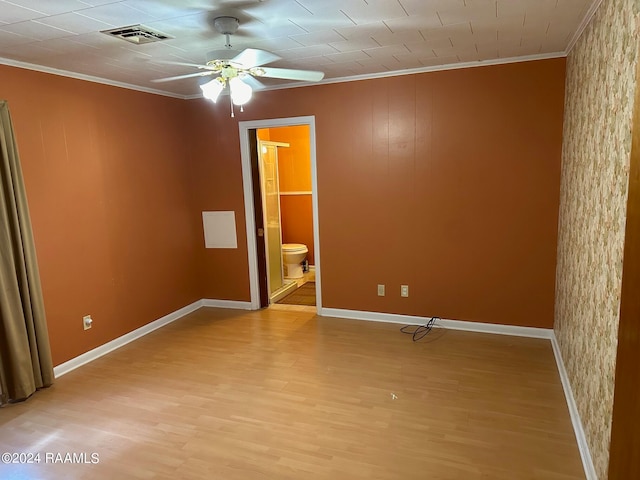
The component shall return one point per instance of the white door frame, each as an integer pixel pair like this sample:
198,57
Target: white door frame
249,212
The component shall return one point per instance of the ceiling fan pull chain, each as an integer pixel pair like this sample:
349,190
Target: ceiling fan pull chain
231,102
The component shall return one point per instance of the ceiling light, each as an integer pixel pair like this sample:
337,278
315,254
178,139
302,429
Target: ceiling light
212,89
240,91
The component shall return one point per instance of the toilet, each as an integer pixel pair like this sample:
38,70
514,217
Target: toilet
293,254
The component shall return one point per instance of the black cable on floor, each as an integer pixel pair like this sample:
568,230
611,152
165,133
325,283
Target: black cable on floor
419,331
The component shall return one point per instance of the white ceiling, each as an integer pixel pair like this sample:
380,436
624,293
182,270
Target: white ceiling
346,39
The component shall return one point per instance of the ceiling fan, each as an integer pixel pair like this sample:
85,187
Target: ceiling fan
239,71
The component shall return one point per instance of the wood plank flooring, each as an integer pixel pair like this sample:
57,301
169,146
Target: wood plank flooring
284,394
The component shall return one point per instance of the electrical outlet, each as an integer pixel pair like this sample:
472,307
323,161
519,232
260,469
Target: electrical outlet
381,290
404,290
86,322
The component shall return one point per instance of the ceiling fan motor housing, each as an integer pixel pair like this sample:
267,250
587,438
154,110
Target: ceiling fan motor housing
226,25
229,72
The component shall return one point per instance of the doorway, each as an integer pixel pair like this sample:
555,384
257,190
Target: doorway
269,171
257,228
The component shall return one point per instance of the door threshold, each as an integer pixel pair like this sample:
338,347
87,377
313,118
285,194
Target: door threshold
283,292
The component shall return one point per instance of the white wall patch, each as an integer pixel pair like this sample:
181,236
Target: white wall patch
219,229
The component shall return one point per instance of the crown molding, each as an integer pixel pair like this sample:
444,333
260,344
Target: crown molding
412,71
88,78
354,78
583,25
434,68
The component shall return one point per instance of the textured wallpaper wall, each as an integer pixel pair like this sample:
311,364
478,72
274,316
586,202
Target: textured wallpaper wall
600,86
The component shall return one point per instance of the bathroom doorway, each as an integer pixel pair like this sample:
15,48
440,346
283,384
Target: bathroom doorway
279,178
278,286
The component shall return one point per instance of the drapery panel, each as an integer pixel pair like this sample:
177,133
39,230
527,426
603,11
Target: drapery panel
25,355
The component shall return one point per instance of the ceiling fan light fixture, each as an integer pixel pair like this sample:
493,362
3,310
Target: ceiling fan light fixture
211,90
239,69
240,91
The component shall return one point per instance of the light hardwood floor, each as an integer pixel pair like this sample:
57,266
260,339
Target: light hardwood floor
284,394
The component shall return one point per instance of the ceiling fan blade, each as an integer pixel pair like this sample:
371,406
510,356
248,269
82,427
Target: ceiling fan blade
184,64
225,54
252,57
180,77
290,74
253,82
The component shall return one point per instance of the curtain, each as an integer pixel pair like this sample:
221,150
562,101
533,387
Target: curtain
25,355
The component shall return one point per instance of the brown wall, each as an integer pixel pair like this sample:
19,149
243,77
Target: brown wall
106,174
216,182
445,181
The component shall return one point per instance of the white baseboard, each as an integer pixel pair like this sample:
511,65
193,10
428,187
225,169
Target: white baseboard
235,304
583,446
108,347
451,324
98,352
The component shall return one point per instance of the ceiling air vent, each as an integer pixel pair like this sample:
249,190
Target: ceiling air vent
137,34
